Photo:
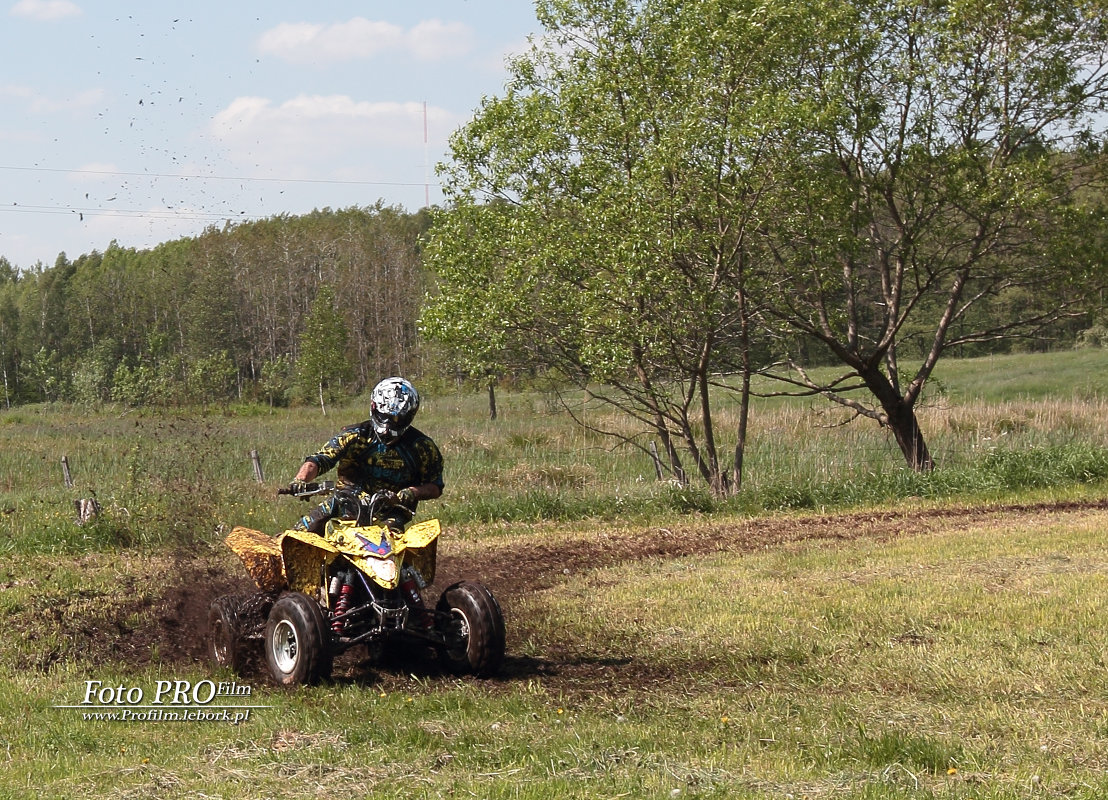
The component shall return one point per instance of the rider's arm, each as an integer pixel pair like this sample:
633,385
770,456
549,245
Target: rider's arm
308,471
328,456
429,472
426,491
413,494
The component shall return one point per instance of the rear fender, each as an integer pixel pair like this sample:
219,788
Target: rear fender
260,554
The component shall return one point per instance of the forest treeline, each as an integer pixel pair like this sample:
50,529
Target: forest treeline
281,310
277,311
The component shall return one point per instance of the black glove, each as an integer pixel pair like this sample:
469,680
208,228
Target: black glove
388,499
407,498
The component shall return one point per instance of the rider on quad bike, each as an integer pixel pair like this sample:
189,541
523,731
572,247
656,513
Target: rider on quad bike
352,573
384,453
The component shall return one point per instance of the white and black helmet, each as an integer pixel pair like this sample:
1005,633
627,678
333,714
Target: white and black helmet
393,406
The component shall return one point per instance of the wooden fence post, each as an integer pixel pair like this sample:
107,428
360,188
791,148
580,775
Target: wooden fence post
657,461
256,461
65,472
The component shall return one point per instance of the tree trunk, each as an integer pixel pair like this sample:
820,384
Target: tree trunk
744,396
905,427
900,416
740,443
492,400
675,467
717,478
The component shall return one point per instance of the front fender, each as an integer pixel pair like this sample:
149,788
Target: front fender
304,555
422,541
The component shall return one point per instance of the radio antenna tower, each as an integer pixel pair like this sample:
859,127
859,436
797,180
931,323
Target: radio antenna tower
426,163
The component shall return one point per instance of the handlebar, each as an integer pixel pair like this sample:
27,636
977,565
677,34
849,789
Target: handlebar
353,505
309,490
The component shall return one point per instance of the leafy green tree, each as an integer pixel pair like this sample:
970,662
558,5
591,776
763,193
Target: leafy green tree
9,328
276,381
873,182
43,332
322,366
212,377
134,385
603,211
937,202
43,370
8,272
91,382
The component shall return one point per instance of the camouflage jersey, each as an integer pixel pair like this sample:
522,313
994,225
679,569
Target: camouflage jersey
367,464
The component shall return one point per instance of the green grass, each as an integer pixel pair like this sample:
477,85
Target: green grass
178,476
962,662
1072,374
957,662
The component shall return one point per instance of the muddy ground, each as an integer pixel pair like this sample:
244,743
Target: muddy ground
170,627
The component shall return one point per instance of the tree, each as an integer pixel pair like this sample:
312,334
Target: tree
938,201
601,210
871,181
91,381
322,365
43,371
9,328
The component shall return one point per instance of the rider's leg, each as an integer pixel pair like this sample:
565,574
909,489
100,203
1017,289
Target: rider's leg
316,519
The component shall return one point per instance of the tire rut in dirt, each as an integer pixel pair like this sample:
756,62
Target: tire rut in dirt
170,626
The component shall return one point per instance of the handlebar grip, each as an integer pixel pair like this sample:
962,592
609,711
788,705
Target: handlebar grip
308,489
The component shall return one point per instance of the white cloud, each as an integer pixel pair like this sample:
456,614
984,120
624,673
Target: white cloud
315,118
45,10
360,38
42,104
19,92
86,99
309,133
433,39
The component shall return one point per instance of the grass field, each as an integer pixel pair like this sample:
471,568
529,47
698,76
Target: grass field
168,476
766,649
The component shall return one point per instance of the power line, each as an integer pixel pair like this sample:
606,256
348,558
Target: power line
167,214
208,177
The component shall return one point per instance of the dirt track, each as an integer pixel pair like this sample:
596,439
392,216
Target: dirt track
173,624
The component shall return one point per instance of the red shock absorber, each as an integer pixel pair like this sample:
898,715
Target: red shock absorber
410,584
341,605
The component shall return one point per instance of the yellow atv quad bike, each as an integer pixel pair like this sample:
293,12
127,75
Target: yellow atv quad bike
359,583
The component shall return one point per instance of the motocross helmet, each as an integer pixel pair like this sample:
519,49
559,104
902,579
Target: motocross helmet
393,406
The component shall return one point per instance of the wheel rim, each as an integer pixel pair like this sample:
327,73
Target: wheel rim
284,646
220,644
458,644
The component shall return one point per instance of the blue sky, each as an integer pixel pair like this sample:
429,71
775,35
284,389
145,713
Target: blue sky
142,122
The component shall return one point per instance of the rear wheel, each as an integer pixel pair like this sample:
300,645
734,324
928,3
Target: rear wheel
297,641
225,629
472,626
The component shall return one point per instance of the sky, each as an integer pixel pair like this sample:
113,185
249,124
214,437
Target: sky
143,122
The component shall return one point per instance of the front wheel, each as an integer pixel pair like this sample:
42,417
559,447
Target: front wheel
297,641
472,626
